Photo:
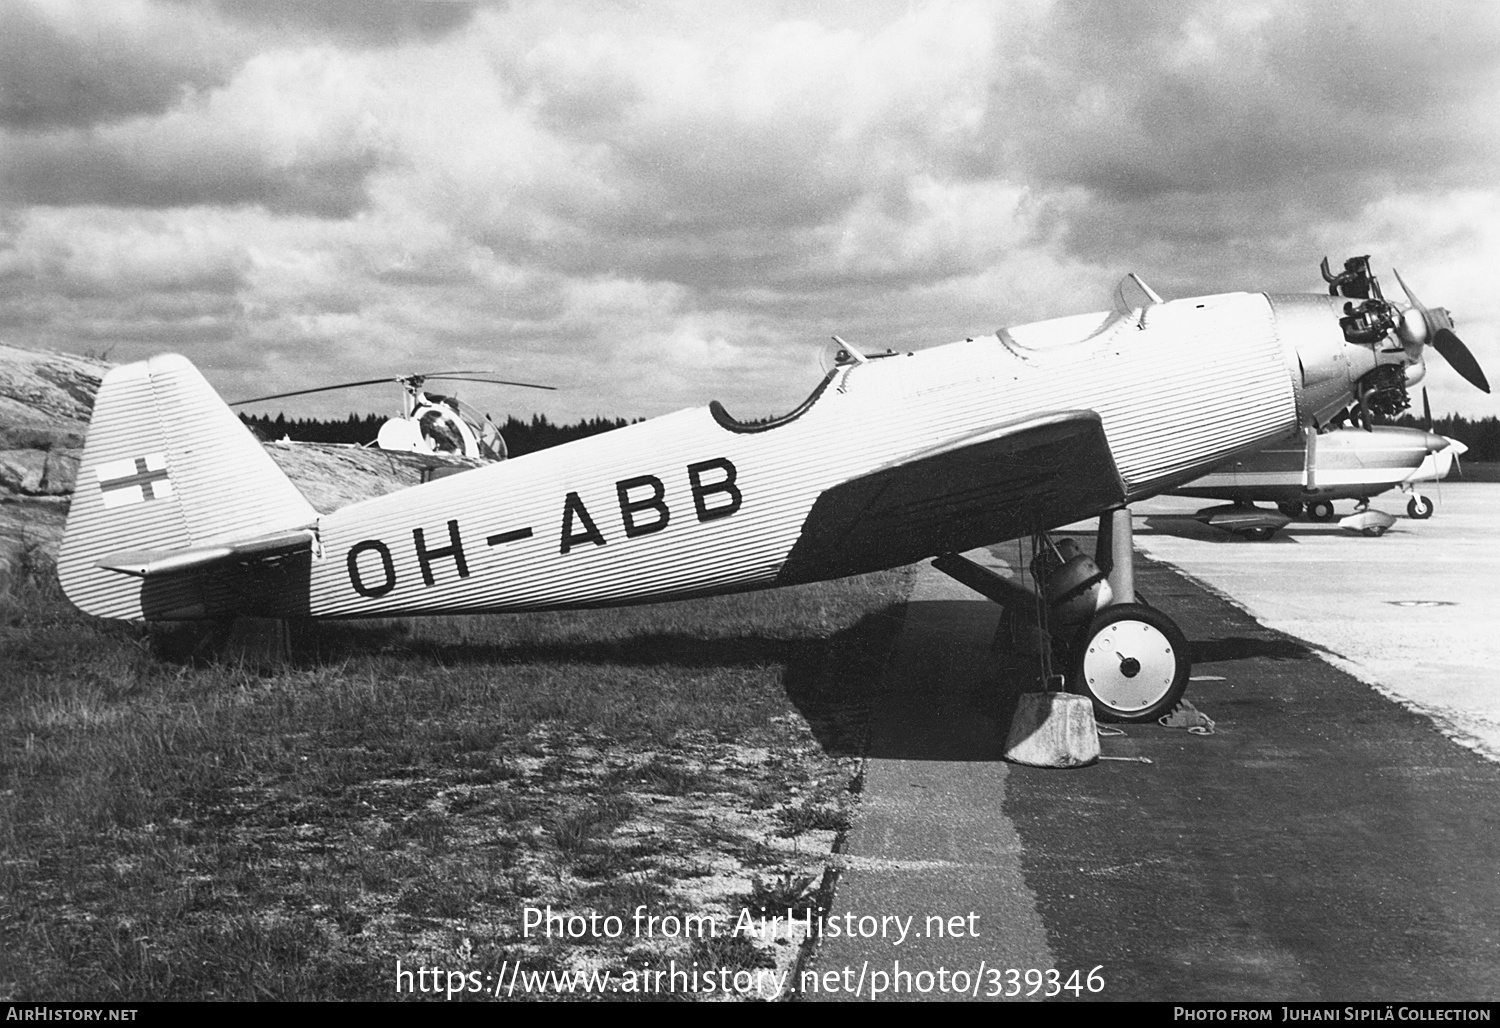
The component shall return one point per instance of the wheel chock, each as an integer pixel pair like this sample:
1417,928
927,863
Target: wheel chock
1053,729
1367,522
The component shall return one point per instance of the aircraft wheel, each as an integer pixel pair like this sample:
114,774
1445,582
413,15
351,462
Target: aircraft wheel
1291,510
1419,507
1259,535
1320,510
1373,532
1132,662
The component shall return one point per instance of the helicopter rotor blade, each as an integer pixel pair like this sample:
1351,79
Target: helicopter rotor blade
453,376
317,389
456,377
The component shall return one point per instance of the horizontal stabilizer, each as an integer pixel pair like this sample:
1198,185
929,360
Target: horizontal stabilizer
152,563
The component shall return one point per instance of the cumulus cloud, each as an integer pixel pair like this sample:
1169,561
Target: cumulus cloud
353,22
74,65
657,203
293,131
1225,128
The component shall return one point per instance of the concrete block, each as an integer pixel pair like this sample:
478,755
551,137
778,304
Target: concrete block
1053,729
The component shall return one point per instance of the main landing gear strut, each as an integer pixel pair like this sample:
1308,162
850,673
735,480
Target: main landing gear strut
1128,658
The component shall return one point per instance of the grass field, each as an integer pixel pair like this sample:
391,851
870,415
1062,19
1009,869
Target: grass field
179,829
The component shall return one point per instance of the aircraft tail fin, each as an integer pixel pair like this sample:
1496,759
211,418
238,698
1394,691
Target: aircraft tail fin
171,482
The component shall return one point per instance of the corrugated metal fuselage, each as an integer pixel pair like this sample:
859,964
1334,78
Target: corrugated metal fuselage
689,504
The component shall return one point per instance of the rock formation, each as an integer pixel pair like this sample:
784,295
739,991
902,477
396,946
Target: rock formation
45,401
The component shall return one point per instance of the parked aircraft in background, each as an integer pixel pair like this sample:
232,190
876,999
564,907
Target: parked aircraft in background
180,514
1309,471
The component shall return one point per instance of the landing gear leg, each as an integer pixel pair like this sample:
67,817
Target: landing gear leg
1130,660
1115,553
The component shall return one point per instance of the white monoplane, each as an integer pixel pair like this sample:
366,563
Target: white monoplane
180,514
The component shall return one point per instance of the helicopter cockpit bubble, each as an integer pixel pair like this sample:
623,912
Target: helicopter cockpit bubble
442,430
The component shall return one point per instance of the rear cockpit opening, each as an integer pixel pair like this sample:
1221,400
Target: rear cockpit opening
837,359
728,421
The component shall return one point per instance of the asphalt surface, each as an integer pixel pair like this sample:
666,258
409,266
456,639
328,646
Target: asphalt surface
931,840
1325,843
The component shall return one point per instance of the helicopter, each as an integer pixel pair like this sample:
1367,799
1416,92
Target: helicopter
429,422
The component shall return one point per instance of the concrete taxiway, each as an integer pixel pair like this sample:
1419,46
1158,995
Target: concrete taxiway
1414,612
1327,842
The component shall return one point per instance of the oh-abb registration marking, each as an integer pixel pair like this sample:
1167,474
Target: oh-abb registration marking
643,511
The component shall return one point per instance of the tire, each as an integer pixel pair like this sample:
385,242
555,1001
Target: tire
1419,507
1132,662
1320,510
1291,510
1259,535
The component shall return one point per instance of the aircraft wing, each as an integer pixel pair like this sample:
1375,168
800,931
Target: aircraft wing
189,559
999,483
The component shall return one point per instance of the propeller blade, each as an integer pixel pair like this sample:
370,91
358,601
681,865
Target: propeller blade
1411,296
1426,410
1445,342
317,389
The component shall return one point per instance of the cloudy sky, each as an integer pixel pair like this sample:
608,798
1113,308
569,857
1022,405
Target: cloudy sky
655,205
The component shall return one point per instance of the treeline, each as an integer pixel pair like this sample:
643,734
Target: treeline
539,433
520,436
1482,437
355,429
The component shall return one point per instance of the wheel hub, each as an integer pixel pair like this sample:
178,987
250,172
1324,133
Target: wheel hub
1129,665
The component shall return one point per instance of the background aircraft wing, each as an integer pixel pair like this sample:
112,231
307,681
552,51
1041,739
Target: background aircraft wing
1000,483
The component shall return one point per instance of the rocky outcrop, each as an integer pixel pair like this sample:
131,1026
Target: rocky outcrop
46,398
45,402
332,475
